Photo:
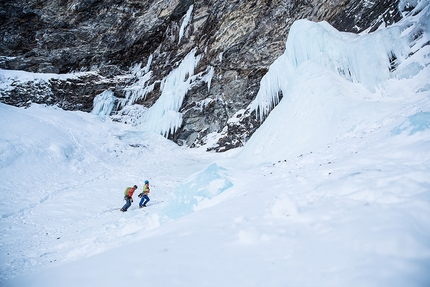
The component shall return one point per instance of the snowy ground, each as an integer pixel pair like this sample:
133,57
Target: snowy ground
332,190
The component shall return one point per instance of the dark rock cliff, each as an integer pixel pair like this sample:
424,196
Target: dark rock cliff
238,39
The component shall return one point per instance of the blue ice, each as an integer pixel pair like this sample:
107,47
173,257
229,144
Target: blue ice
206,184
415,123
103,104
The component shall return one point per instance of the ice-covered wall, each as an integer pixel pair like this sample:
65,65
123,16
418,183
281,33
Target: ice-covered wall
366,59
332,84
164,116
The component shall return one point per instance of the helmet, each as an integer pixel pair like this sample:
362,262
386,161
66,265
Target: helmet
146,182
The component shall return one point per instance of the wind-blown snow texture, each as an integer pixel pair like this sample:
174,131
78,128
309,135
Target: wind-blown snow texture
332,190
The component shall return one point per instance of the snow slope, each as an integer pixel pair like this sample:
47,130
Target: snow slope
332,190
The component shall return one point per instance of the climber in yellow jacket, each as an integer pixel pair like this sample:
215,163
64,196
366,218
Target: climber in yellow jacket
144,195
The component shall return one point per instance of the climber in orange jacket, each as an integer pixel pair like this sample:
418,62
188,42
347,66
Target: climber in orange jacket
128,197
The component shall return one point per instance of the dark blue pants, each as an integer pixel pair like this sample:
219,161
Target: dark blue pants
127,203
144,198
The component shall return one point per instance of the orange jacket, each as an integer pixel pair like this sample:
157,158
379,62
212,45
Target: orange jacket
129,191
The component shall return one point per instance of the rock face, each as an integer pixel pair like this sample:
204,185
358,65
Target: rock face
106,40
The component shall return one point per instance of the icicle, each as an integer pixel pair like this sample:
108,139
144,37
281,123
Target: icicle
148,65
185,22
208,77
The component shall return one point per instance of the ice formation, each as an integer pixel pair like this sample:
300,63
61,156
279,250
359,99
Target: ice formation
195,193
104,103
185,22
368,59
329,80
164,116
208,76
141,88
